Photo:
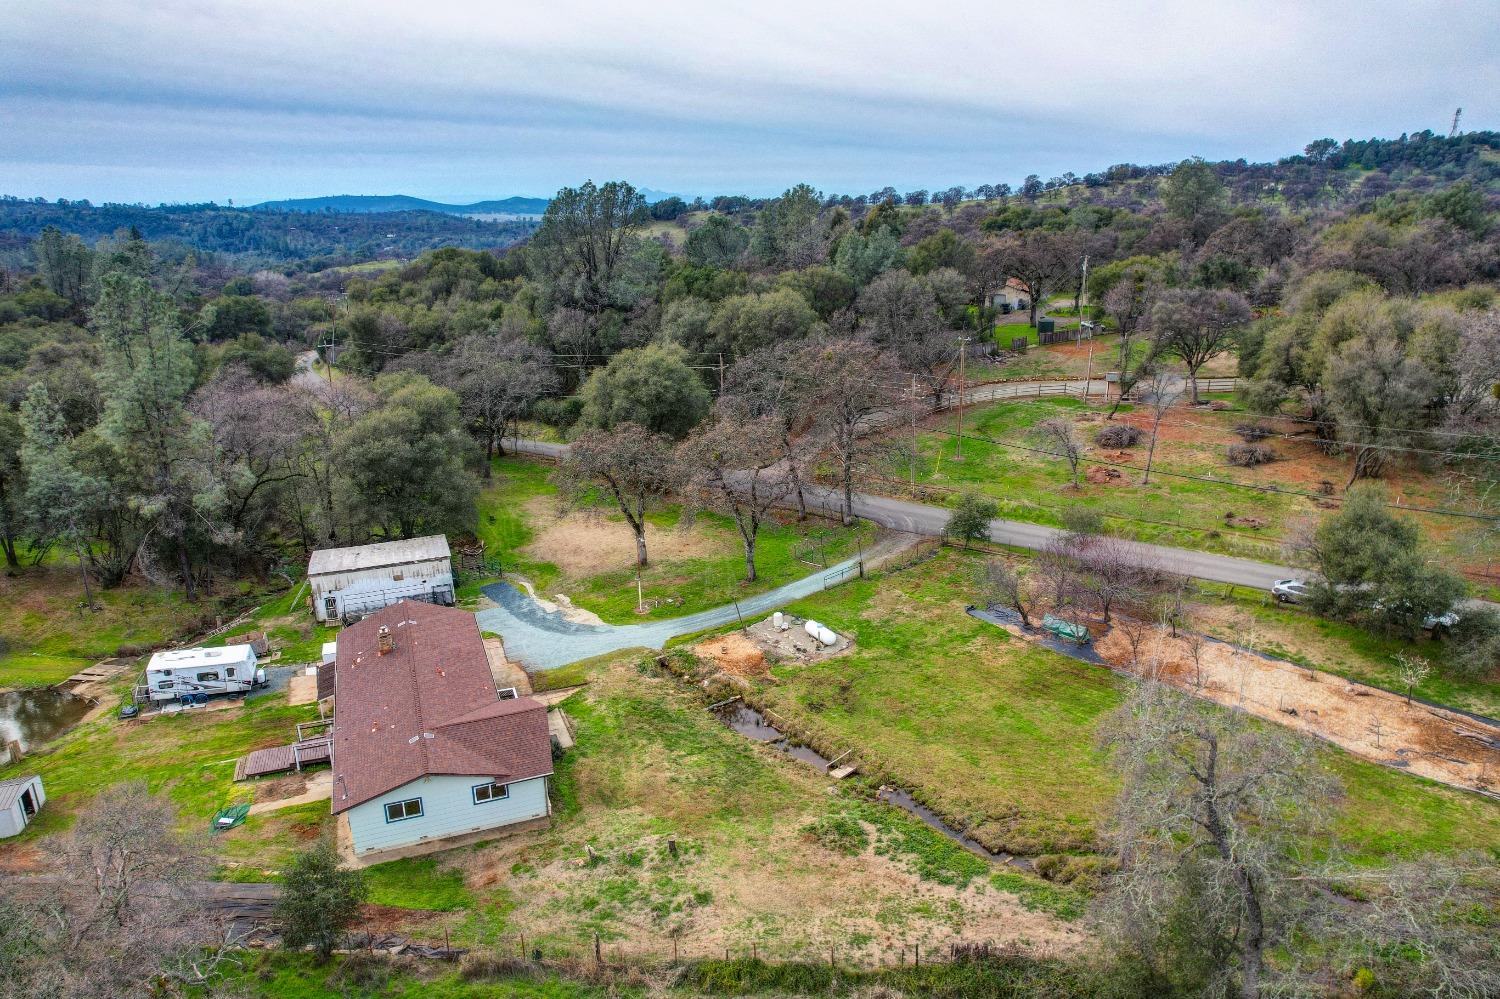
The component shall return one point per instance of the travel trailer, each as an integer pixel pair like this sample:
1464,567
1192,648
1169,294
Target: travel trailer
194,675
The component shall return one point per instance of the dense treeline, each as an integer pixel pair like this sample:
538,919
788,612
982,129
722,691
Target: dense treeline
767,335
262,235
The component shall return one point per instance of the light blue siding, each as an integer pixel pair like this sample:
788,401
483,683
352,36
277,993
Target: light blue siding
448,809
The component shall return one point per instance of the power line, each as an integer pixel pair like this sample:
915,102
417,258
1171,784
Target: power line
1230,483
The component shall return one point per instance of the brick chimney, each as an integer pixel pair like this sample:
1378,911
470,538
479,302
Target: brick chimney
387,643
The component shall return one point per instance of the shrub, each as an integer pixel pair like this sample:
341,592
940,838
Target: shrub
1250,455
1251,433
1086,871
1118,435
839,833
1476,643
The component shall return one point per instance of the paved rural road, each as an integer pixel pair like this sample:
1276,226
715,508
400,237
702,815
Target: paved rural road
920,518
544,639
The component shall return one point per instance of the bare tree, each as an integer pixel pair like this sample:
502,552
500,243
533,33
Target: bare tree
497,381
1001,585
1198,325
1059,435
1196,644
1130,301
1211,808
1160,390
736,469
779,385
128,917
855,385
634,466
1135,630
1412,669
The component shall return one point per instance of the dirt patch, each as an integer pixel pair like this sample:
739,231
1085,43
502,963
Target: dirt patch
588,543
302,689
505,672
1102,476
1433,742
792,643
733,653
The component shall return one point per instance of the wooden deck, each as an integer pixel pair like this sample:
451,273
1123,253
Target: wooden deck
277,759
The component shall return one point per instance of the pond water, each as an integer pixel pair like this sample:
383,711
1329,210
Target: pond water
753,725
33,715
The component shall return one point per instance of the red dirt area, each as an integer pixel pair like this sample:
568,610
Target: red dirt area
734,654
1432,742
1102,476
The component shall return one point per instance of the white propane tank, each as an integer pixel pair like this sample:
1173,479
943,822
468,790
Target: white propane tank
811,627
777,620
827,637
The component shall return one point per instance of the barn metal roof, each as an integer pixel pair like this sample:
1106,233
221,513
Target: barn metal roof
11,789
378,556
427,707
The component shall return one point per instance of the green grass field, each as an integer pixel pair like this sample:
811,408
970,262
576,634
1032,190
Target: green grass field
46,635
671,587
998,735
188,756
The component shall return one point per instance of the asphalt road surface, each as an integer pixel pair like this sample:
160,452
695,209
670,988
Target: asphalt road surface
920,518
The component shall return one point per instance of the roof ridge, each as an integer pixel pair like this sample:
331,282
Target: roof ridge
416,689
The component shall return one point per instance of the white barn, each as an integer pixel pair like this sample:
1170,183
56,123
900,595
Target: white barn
20,799
350,582
424,747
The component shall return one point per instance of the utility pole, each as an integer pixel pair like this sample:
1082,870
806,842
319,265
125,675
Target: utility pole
1456,116
721,372
913,462
958,439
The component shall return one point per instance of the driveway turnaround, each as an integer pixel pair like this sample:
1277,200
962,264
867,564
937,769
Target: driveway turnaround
920,518
546,640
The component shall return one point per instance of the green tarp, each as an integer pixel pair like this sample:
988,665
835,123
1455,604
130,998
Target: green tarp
230,817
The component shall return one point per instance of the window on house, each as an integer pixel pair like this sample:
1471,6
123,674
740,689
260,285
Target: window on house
207,676
398,575
490,792
411,808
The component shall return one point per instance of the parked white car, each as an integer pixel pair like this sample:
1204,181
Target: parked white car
1289,591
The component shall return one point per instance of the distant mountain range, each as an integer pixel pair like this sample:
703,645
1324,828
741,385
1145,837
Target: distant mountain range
362,204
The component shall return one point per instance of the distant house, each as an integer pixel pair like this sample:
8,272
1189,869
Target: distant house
349,582
424,747
1012,296
20,799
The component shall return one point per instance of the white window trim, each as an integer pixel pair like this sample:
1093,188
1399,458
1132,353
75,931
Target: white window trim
504,792
404,802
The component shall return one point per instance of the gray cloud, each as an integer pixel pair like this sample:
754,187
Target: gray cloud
254,99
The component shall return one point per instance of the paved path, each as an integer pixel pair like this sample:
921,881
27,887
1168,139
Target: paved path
920,518
544,639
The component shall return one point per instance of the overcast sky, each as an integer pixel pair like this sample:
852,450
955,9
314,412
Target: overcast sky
190,100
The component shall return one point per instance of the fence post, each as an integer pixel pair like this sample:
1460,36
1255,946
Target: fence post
917,955
598,960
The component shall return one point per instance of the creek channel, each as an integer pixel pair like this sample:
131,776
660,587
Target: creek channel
754,725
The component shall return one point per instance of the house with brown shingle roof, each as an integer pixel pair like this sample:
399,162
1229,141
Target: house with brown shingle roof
424,748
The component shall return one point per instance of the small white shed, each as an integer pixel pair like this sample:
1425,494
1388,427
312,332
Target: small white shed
351,582
20,799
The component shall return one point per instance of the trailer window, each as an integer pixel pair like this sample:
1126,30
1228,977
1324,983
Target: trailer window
164,685
411,808
490,792
229,673
207,677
